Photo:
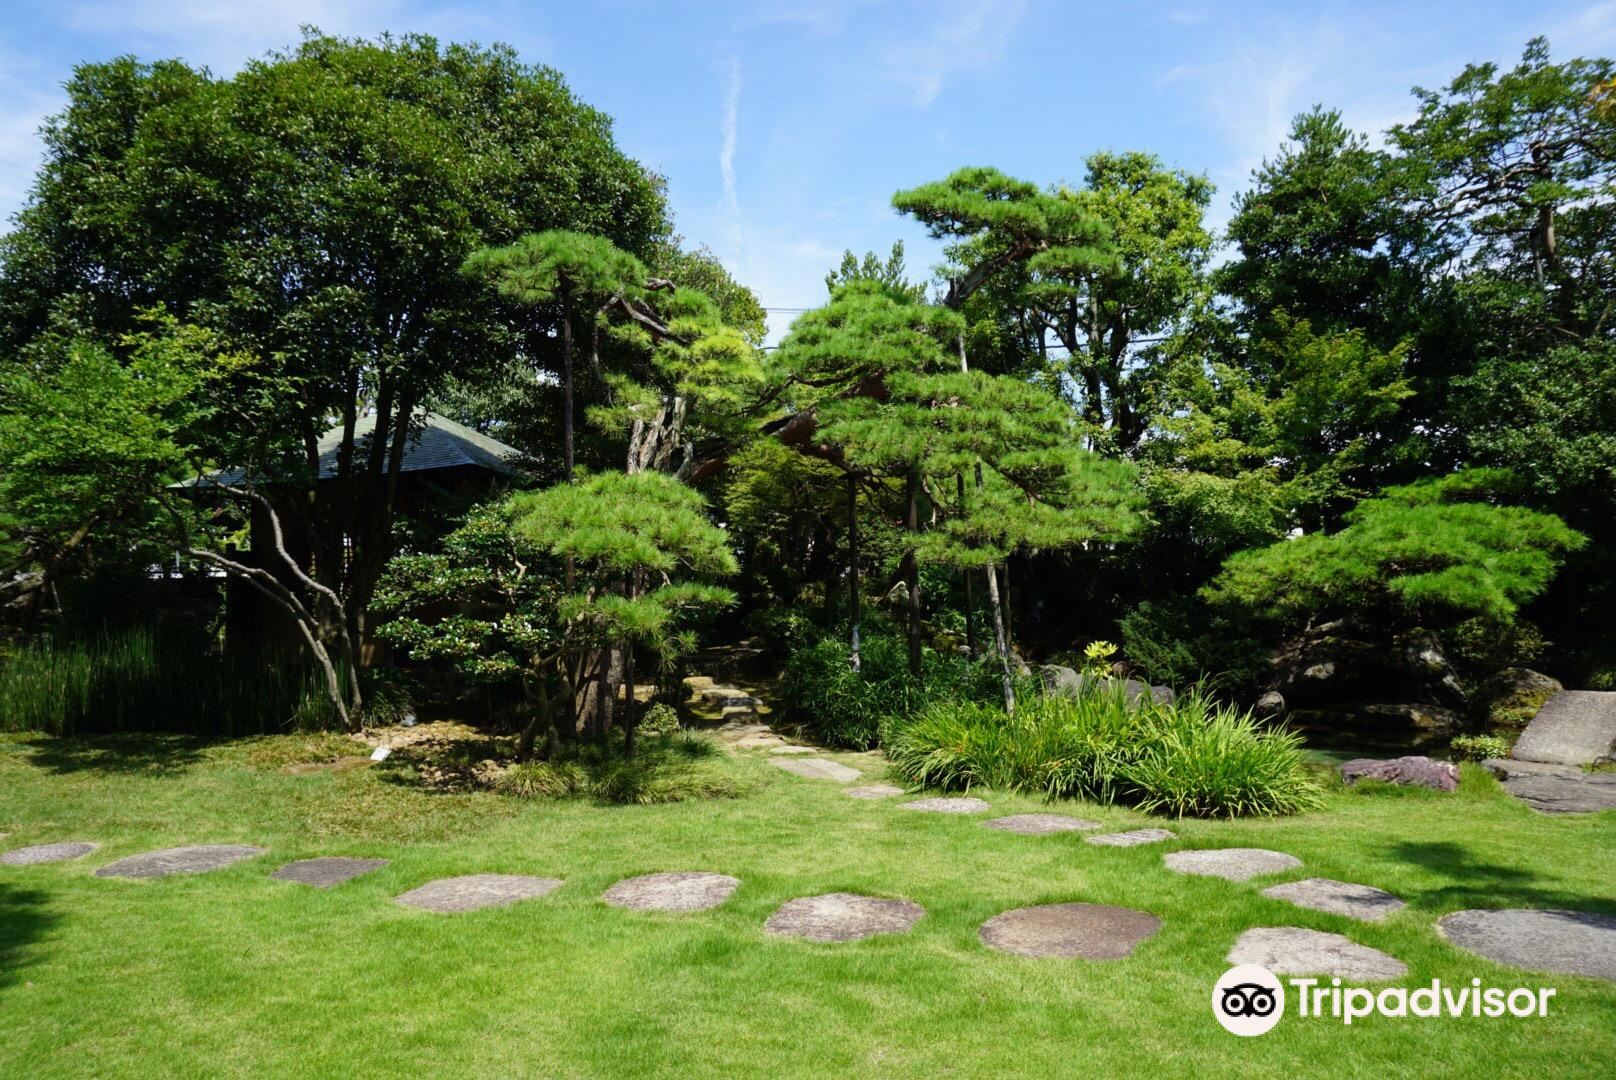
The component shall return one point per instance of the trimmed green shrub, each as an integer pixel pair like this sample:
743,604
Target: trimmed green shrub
1478,747
659,720
1190,758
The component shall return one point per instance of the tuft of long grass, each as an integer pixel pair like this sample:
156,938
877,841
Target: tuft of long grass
1219,763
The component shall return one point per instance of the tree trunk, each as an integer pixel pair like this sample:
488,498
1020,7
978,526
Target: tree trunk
631,717
912,568
965,576
853,570
1001,640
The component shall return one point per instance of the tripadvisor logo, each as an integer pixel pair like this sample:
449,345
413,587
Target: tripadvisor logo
1249,1000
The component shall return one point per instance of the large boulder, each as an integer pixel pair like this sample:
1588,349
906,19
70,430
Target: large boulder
1334,665
1412,771
1061,681
1510,699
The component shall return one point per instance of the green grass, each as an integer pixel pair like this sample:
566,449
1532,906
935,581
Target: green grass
234,974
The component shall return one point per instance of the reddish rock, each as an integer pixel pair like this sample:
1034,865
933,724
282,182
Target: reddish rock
1414,770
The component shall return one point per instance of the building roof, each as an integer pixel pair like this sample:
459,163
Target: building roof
439,443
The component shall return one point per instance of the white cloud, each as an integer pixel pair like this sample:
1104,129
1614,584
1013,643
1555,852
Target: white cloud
728,128
967,36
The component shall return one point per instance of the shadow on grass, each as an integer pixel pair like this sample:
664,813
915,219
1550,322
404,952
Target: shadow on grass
152,755
1477,883
24,919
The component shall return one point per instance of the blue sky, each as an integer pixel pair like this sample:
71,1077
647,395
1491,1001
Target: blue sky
784,127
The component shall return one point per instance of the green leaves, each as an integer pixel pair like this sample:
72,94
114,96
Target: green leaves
544,267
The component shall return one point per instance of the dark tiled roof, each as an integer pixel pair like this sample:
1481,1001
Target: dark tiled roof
439,443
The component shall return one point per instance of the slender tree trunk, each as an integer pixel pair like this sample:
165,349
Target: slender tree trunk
631,719
1009,610
965,576
853,569
1001,640
912,568
603,696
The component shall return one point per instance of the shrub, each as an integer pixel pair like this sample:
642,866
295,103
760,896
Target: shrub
541,780
1190,758
672,768
1478,747
659,720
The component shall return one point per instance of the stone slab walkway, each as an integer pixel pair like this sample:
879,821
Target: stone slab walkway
874,791
1574,727
1083,931
1572,942
180,860
1131,838
48,853
327,870
1338,898
946,806
1555,789
817,768
842,917
1231,864
674,890
1039,824
1292,950
473,892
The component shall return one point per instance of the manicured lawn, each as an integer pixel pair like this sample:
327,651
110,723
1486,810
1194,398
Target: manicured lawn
234,974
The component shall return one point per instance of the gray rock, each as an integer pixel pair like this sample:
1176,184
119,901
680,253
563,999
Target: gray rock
1569,942
1510,698
1061,681
817,768
946,806
47,853
180,860
874,791
1231,864
842,917
1131,838
1338,898
1271,706
1085,931
475,891
1574,727
793,750
728,697
1555,789
1292,950
1039,824
1413,770
675,890
326,871
1163,695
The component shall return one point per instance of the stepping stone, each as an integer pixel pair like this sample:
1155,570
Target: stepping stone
1338,898
1231,864
1039,824
677,890
44,853
874,791
946,806
1132,838
1085,931
1571,942
842,917
1574,727
1555,789
474,891
793,750
818,769
1291,950
180,860
327,871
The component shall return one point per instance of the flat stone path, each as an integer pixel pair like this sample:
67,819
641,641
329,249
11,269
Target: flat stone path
475,891
1084,931
1555,789
327,870
675,890
842,917
1039,824
946,806
1574,727
1231,864
47,853
817,768
874,791
180,860
1292,950
1131,838
1338,898
1571,942
792,748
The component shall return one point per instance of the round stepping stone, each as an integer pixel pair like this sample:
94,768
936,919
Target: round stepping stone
1086,931
1132,838
817,768
793,750
677,890
474,891
1291,950
326,871
1572,942
1338,898
44,853
874,791
1039,824
1231,864
180,860
946,806
842,917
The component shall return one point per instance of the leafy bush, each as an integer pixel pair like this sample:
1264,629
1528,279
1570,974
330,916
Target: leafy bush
1185,641
846,707
542,780
1190,758
659,720
666,769
1478,747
